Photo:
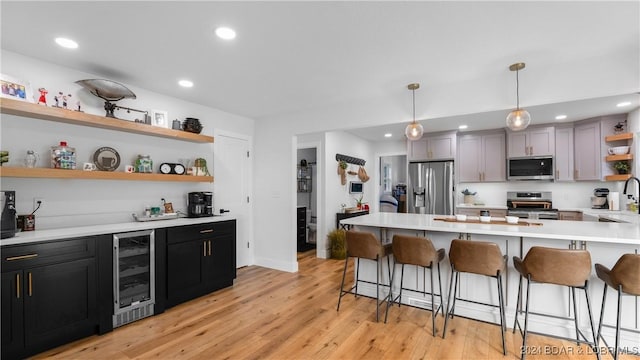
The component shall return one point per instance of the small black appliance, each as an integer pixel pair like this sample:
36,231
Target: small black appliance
8,220
200,204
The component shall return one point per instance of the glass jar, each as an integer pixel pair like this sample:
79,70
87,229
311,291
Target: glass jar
31,159
144,164
63,156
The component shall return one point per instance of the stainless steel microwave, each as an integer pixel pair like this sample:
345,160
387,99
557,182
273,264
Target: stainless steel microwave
530,168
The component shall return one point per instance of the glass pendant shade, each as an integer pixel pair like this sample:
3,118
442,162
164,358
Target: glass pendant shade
414,131
518,119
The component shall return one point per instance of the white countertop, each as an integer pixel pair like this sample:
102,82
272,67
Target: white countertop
26,237
478,206
622,216
618,233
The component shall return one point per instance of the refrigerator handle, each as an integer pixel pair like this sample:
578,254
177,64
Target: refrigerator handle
449,188
432,190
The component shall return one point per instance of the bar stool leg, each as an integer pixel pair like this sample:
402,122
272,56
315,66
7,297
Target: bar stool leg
449,309
401,284
377,287
502,319
615,354
390,299
604,299
575,314
357,275
593,327
442,305
456,288
518,306
523,353
344,273
433,304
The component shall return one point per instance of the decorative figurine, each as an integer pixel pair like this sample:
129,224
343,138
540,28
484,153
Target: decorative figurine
618,128
64,100
57,99
78,106
43,96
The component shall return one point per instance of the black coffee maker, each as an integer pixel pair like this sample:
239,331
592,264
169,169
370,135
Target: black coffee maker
8,220
200,204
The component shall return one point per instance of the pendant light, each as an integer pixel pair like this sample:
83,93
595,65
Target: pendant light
414,130
518,119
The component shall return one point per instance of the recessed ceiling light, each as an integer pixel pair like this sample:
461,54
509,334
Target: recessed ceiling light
225,33
66,43
388,135
462,127
185,83
625,103
561,117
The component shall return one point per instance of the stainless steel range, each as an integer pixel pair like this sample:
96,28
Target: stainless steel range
531,205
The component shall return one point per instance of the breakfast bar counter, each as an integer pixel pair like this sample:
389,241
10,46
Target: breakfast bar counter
605,241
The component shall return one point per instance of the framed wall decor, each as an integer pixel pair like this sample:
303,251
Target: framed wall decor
159,118
17,89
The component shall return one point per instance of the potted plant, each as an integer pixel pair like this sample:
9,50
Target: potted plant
359,201
469,197
622,167
338,243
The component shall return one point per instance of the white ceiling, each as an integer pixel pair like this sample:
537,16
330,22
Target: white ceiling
292,57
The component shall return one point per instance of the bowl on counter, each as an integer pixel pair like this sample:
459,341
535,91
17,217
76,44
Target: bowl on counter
619,150
512,219
461,217
485,218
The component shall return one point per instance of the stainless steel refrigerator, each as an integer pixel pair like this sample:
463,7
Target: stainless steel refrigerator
431,188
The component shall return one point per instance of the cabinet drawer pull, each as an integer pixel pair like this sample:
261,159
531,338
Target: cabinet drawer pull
18,286
206,231
204,248
30,284
209,247
21,257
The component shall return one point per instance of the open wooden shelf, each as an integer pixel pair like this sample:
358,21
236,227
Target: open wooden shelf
42,112
619,157
18,172
617,177
617,137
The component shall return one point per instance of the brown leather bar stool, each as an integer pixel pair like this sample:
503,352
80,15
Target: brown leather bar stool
565,267
625,278
481,258
418,251
364,245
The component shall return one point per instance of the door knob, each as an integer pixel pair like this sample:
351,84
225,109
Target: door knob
222,211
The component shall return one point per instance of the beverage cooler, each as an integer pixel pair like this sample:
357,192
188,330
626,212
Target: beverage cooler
134,276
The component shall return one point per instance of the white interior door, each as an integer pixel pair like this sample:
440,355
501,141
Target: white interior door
232,166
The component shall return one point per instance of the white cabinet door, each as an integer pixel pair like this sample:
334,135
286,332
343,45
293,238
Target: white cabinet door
541,141
518,144
469,158
418,150
442,147
493,155
564,154
586,145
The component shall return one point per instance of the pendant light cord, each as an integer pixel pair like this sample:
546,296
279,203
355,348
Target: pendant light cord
414,105
517,91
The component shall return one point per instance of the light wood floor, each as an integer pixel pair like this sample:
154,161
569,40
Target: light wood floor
270,314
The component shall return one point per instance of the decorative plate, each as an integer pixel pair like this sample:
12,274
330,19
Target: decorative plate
106,159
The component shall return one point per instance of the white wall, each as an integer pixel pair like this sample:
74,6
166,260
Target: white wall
86,202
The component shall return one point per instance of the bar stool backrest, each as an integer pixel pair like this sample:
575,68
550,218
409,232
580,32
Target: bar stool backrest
558,266
626,272
413,250
364,245
477,257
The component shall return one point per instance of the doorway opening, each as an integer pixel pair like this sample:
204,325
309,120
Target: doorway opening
307,199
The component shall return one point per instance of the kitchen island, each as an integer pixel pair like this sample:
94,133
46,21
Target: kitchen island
605,241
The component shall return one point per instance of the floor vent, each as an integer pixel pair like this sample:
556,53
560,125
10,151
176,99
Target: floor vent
419,303
132,315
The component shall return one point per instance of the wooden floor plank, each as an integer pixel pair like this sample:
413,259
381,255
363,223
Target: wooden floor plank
270,314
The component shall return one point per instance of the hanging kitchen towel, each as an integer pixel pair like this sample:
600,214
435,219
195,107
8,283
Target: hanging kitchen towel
362,174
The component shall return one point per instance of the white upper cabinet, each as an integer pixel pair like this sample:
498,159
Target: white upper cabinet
587,157
481,157
535,141
433,147
564,154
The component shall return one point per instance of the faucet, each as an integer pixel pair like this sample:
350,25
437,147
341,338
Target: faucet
627,183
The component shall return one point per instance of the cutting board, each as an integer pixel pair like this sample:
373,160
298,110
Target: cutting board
492,222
